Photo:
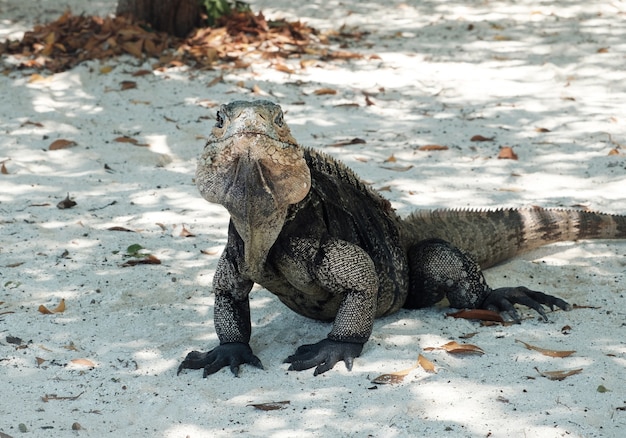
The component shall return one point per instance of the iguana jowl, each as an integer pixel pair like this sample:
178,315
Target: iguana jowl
307,229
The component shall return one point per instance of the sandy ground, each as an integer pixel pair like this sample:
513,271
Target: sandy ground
545,78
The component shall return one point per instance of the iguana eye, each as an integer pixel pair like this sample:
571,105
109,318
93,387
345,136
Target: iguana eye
219,120
278,120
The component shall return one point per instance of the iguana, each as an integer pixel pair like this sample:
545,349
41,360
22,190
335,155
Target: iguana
306,228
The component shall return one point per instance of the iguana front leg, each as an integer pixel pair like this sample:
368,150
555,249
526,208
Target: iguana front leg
232,321
343,269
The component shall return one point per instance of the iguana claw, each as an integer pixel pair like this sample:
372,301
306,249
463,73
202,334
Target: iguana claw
502,300
231,354
324,355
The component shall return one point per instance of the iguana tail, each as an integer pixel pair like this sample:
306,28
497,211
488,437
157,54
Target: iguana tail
492,236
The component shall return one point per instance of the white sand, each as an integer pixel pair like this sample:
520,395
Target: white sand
522,66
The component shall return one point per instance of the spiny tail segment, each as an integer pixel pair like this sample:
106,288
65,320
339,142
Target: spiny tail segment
492,236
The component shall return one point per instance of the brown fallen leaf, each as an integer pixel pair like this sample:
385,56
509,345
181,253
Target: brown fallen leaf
39,360
3,168
480,314
142,72
71,346
432,147
426,365
348,142
148,260
61,143
542,130
46,398
283,68
551,353
66,203
613,151
28,122
58,309
506,153
186,233
83,362
395,377
271,406
325,91
558,375
391,159
119,228
125,139
398,168
454,347
481,138
128,85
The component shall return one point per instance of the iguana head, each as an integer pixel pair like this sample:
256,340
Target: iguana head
253,166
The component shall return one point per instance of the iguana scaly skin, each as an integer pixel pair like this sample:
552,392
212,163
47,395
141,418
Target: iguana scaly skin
306,228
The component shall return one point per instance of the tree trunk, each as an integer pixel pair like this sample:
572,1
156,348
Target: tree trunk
176,17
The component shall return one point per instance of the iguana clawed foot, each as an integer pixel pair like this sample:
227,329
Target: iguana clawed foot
502,300
231,354
324,355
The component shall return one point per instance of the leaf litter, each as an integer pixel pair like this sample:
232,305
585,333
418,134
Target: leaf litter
235,41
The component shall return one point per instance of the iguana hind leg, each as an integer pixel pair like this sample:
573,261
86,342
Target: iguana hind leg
437,269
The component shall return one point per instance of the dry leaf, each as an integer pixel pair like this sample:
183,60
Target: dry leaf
426,365
603,50
216,80
395,377
61,144
46,398
454,347
128,85
3,169
105,69
284,68
398,168
558,375
480,314
125,139
58,309
324,91
481,138
83,362
391,159
66,203
348,142
432,147
148,260
142,72
118,228
551,353
70,347
39,360
613,151
506,153
542,130
209,252
76,426
186,233
271,406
